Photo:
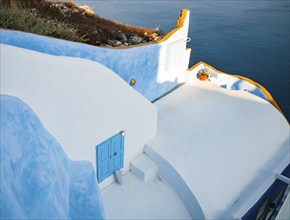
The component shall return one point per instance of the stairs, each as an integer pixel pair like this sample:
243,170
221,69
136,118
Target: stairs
144,168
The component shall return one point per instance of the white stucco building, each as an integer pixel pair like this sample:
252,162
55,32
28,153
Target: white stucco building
222,149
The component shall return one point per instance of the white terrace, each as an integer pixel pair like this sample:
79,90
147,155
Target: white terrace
217,148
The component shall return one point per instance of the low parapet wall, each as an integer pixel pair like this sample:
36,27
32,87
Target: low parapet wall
233,82
155,67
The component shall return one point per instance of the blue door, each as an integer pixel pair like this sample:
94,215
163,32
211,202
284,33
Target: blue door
110,156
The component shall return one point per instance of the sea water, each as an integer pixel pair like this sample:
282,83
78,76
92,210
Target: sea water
244,37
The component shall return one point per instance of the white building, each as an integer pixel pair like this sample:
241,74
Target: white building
219,149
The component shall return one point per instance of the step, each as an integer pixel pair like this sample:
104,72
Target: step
144,168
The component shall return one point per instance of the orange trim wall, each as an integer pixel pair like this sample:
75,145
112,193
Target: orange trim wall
264,90
179,24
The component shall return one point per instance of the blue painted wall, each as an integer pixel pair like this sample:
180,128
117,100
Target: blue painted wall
38,181
140,63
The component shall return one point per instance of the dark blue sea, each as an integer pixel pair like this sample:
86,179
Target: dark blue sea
244,37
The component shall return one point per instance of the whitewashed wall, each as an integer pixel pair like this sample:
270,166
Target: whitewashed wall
174,55
157,68
80,102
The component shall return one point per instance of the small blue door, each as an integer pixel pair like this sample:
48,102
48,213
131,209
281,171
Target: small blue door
110,156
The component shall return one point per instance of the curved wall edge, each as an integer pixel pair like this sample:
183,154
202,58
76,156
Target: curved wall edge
168,173
265,92
155,67
179,24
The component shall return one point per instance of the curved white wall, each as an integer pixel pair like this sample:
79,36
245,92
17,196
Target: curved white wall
231,82
168,173
80,102
224,146
173,54
157,68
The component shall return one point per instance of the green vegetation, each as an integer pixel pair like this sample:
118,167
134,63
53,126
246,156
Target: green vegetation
23,20
69,21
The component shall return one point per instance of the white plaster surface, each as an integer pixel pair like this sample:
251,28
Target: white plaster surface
173,55
144,168
80,102
157,68
226,81
135,199
224,144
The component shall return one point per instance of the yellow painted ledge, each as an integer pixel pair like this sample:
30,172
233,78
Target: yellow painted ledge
264,90
179,24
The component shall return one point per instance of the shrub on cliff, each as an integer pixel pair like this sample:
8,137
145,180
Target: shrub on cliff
81,20
23,20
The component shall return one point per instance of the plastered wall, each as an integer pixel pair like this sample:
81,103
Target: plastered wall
80,102
157,68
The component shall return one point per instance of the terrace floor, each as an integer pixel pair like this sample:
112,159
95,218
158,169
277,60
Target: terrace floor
135,199
224,145
210,138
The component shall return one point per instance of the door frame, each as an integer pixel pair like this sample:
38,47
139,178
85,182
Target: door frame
110,156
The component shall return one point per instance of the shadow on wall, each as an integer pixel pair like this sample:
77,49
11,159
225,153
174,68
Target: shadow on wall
239,85
235,82
38,181
154,68
139,63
